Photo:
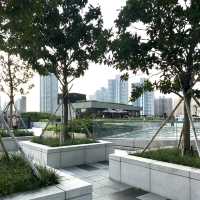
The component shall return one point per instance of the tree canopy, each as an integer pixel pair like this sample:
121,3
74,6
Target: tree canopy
169,43
56,36
14,76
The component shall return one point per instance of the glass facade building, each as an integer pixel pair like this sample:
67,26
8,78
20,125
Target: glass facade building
48,93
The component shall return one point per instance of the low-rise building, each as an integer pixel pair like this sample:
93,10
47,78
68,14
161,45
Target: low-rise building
105,109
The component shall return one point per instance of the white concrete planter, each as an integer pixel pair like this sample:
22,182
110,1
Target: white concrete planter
70,188
172,181
10,144
67,156
39,124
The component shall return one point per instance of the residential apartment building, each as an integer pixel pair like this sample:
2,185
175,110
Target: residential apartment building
145,101
21,104
163,106
48,93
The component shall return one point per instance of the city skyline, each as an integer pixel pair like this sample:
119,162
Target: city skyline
116,91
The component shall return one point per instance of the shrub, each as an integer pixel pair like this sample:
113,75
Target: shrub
39,116
17,133
54,142
76,125
16,176
172,156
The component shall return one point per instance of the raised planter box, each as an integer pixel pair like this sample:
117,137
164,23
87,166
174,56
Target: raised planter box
10,144
70,188
67,156
172,181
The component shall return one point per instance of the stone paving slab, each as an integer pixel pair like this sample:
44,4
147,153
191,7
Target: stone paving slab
151,196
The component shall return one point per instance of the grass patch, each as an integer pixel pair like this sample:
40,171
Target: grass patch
172,156
54,142
16,176
17,133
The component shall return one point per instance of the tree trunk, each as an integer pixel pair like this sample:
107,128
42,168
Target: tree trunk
11,111
186,128
65,113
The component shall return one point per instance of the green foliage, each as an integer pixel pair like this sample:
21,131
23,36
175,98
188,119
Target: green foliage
75,126
39,116
172,156
81,126
54,142
17,133
169,42
137,91
16,176
65,35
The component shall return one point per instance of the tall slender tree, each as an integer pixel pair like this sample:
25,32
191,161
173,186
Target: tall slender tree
57,36
15,76
168,42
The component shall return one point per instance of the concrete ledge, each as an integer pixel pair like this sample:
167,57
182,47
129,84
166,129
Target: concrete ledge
69,188
67,156
10,144
164,179
136,143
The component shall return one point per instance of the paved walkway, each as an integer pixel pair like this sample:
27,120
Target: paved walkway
104,188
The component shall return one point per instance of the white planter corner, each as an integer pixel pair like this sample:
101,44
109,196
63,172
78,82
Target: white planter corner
169,180
67,156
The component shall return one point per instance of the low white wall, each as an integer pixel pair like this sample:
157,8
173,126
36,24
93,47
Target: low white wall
67,156
172,181
70,188
39,124
10,144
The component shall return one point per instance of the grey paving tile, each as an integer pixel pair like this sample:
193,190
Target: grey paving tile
150,196
129,194
103,188
88,167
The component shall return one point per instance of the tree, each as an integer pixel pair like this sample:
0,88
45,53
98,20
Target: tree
15,73
58,36
169,44
14,77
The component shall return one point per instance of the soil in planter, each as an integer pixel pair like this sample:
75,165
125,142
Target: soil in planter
54,142
16,176
172,156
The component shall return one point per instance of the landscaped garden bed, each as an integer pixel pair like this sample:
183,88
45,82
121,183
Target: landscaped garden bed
17,133
55,151
55,142
17,182
164,172
85,151
172,155
16,176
